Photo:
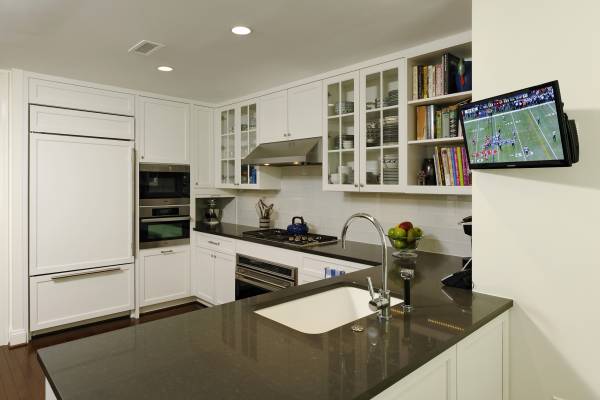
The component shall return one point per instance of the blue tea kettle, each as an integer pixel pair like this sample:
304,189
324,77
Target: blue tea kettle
297,228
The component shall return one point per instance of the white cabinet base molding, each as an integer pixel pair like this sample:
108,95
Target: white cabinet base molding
59,299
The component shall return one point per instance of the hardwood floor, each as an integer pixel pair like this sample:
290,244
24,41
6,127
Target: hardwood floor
21,377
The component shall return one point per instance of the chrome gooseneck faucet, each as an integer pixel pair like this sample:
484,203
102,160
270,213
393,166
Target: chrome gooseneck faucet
380,303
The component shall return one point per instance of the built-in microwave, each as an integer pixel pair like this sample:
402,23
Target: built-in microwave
164,184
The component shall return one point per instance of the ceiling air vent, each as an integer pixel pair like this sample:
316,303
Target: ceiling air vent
146,47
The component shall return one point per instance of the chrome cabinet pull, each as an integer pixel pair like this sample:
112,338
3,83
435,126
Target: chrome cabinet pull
167,251
214,243
59,277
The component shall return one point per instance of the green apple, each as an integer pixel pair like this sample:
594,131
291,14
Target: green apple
413,234
400,244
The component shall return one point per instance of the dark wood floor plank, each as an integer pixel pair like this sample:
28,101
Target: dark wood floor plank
6,379
21,376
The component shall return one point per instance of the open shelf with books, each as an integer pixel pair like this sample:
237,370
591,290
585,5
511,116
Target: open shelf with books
438,82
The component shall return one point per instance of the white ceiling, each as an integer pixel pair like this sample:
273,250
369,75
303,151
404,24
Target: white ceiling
292,39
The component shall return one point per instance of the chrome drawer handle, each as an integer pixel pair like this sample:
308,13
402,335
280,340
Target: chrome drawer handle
214,243
167,251
59,277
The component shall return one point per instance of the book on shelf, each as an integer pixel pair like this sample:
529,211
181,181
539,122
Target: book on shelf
451,75
438,121
451,166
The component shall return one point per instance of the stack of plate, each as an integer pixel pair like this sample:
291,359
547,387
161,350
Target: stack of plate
373,133
390,129
391,99
344,107
390,169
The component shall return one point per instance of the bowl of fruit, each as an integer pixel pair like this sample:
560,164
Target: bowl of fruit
405,238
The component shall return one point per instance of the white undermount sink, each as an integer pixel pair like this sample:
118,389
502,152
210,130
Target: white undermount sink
323,311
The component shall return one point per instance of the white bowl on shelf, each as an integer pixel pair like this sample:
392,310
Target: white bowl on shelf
373,166
344,170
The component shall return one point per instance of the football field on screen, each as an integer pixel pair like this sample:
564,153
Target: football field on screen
532,141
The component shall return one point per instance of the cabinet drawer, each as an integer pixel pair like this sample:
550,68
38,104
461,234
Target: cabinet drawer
270,253
316,266
80,123
59,299
80,97
214,242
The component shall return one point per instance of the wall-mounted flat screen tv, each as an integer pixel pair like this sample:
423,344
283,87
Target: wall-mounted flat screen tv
525,128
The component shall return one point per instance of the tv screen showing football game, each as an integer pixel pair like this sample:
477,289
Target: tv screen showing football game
522,128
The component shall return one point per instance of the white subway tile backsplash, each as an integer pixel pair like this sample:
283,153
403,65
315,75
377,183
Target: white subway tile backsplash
301,194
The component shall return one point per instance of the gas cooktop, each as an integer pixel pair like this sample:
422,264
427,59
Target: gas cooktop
281,236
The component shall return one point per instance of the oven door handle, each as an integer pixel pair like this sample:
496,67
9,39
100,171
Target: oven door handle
259,282
161,219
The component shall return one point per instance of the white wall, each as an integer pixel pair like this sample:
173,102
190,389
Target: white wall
4,100
536,234
301,194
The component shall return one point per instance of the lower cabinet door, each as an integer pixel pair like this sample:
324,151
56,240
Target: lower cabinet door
203,274
64,298
435,380
224,278
165,275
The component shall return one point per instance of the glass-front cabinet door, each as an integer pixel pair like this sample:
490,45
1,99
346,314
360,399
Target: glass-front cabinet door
341,142
383,141
248,142
227,153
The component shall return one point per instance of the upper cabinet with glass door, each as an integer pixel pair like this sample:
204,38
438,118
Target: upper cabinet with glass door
226,144
237,136
248,141
383,140
341,137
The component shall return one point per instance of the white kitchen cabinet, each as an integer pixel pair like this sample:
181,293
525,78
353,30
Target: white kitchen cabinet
226,148
272,117
476,368
237,135
436,380
203,274
164,274
291,114
224,277
202,148
80,203
66,95
163,131
383,127
213,275
305,110
341,138
61,121
484,355
58,299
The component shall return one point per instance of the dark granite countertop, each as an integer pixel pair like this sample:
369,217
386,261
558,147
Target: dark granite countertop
362,253
229,352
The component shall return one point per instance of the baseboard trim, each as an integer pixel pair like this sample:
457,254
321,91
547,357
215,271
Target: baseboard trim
168,304
17,338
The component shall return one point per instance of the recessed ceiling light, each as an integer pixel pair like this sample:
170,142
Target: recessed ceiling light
241,30
165,68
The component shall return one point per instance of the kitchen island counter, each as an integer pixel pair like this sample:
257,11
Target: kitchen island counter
230,352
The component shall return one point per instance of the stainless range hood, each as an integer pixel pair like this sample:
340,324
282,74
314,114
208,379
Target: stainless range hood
290,152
